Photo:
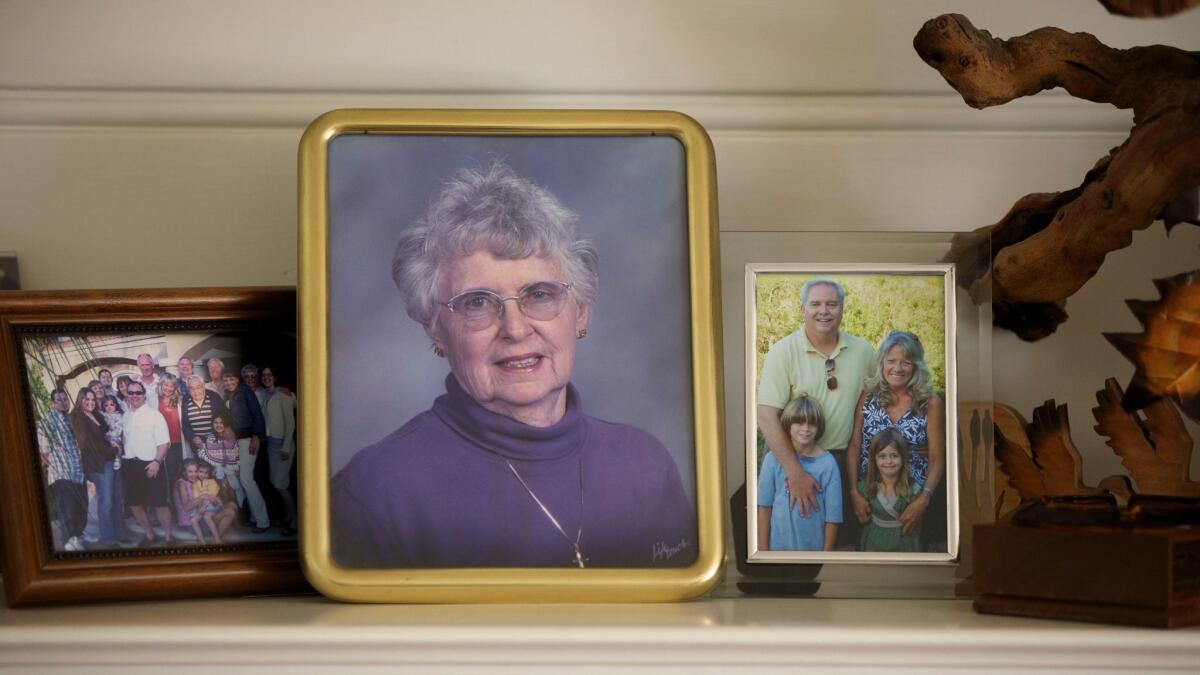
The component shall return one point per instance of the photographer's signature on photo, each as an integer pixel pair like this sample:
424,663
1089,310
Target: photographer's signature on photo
665,551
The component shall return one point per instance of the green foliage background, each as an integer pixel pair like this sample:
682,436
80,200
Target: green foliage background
47,357
876,304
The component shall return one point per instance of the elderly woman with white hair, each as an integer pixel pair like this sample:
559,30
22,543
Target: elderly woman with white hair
506,469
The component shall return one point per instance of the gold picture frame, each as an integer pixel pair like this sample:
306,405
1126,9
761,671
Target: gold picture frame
364,176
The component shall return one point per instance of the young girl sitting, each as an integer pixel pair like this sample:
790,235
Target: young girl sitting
780,527
889,490
207,488
190,507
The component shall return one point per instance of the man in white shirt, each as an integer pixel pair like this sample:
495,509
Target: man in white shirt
143,473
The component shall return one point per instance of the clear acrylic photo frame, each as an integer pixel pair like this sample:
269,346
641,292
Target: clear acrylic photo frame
973,348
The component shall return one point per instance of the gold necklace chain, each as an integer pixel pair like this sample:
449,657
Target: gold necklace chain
579,559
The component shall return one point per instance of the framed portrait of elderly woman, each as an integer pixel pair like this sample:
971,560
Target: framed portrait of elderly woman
850,407
149,444
508,327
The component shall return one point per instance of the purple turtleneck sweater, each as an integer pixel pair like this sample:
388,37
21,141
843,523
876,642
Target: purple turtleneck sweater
437,492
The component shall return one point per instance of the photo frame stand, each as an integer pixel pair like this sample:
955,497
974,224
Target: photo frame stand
776,580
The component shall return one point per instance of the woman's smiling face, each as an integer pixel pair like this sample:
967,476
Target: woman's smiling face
518,366
897,368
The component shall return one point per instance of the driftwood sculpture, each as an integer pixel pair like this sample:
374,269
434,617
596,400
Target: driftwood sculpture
1145,8
1167,351
1050,244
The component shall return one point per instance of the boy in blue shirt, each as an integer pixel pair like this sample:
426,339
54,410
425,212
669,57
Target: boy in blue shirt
781,528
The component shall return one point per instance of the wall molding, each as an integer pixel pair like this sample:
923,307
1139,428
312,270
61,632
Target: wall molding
1051,112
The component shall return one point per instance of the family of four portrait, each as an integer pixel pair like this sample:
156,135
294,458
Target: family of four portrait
853,433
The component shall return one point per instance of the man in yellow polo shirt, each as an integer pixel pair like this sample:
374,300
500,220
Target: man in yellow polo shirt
829,366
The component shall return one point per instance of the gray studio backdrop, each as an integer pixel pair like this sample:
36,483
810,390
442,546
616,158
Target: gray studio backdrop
634,366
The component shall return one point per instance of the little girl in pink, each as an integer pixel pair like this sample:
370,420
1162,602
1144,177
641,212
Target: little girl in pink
190,508
208,489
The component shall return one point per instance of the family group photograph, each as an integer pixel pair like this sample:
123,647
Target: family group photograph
849,447
164,440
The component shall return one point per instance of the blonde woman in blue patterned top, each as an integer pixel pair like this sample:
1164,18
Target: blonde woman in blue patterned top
900,395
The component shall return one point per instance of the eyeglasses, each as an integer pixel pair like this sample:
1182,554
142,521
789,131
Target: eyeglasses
830,378
480,309
130,392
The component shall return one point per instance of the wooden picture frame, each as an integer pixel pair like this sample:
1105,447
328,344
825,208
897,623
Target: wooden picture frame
366,176
37,567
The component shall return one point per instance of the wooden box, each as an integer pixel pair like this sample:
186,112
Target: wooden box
1143,577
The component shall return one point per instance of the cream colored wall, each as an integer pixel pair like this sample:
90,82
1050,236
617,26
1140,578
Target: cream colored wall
153,144
542,46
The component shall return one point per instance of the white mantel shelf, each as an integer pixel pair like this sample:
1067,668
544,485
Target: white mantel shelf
759,635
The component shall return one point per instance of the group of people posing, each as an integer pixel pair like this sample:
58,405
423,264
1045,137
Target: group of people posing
856,438
172,446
